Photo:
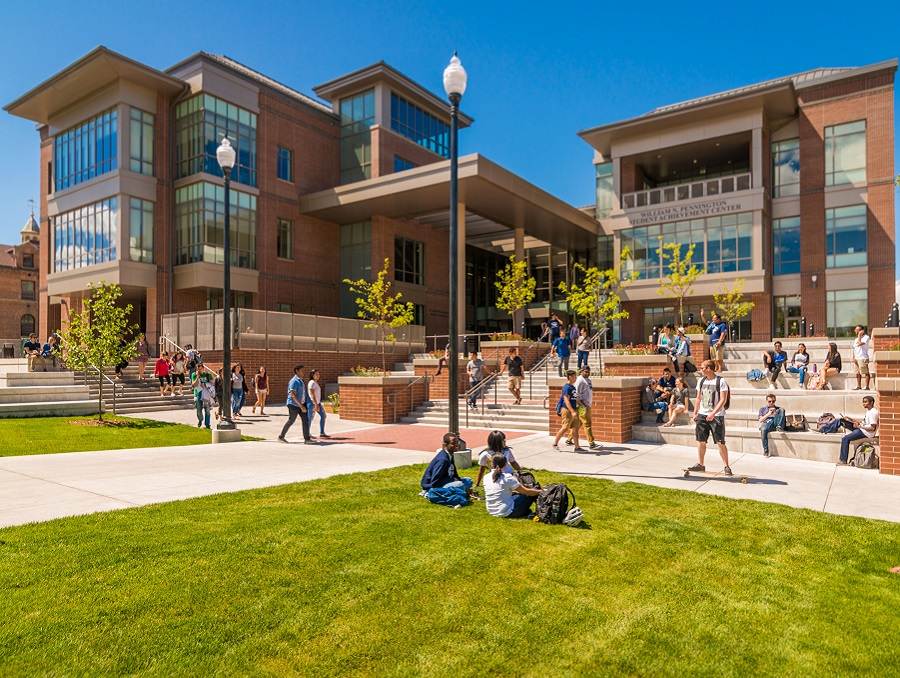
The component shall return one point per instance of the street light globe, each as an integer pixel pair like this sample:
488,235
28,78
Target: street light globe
455,78
225,155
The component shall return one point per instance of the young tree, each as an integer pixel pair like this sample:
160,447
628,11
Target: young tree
91,337
382,310
515,288
728,299
599,297
683,273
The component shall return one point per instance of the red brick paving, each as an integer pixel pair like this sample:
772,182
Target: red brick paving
415,437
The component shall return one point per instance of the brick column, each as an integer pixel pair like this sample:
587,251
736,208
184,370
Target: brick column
369,398
888,404
440,387
617,406
699,347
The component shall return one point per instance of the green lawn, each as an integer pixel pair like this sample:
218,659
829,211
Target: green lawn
49,435
356,575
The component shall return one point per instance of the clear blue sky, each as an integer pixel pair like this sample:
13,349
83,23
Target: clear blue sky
538,72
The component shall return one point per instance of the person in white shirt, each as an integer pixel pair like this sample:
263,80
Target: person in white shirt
496,445
504,496
867,428
584,392
709,414
861,357
315,405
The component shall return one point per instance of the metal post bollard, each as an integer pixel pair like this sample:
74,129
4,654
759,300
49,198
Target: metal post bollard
803,326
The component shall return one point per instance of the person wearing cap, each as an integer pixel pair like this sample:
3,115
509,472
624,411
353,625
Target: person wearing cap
650,401
584,392
569,413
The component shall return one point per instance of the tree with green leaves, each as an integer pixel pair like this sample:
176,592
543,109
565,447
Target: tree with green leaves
729,301
93,338
515,288
683,273
598,298
382,311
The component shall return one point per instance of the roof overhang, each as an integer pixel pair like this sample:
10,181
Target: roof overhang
92,72
779,101
496,195
354,82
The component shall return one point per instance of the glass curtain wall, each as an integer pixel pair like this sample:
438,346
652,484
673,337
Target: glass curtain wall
141,231
85,236
86,150
357,116
786,245
200,225
356,262
785,168
845,236
142,138
412,122
604,189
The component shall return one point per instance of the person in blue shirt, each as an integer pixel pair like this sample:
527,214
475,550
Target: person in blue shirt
774,361
718,335
555,327
297,404
569,412
563,352
441,472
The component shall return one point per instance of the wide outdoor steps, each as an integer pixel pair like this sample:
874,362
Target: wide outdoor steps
38,394
134,395
529,416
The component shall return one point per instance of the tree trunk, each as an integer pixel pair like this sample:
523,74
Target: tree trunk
100,396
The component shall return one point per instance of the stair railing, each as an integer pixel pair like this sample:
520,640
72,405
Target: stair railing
392,398
479,387
100,374
167,345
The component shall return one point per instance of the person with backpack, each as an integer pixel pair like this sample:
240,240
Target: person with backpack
770,417
504,496
496,445
709,414
567,409
867,428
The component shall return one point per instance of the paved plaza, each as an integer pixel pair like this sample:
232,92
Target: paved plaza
44,487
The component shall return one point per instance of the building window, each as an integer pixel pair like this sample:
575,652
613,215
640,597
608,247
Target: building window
200,221
357,116
141,231
409,261
238,299
26,325
604,189
418,314
401,164
786,245
285,239
86,151
846,309
356,261
410,121
200,124
28,290
605,257
142,136
785,168
845,153
27,261
282,307
845,236
85,236
787,316
723,244
285,164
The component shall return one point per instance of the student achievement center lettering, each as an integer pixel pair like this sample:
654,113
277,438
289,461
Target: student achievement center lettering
702,209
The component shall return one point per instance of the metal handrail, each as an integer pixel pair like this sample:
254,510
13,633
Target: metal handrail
480,386
101,374
164,340
392,398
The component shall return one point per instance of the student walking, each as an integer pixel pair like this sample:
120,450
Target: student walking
315,403
583,348
143,356
297,406
161,372
178,368
584,393
238,396
204,393
569,412
260,384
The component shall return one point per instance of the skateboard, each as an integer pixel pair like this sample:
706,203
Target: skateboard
737,476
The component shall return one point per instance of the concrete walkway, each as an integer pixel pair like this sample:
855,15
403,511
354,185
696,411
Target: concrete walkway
43,487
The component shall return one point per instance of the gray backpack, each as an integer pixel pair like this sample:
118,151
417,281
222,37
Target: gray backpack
865,457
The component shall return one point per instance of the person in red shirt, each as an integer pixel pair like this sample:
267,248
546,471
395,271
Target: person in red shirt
161,371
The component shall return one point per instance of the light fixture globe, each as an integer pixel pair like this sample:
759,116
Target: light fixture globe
225,155
455,78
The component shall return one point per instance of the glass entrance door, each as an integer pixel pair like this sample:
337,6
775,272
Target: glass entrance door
792,326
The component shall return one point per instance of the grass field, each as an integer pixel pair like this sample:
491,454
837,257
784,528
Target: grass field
357,576
49,435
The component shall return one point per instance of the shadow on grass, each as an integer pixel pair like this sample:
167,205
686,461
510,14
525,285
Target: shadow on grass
736,478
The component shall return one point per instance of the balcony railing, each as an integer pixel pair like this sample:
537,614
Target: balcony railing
701,188
273,331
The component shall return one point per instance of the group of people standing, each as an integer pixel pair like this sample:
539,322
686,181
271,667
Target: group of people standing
574,407
565,341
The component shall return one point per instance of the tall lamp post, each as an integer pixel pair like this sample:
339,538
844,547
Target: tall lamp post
455,86
226,156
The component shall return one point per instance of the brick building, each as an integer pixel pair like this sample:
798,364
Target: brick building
785,183
19,290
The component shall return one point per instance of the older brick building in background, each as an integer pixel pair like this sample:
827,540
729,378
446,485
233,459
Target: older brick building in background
19,290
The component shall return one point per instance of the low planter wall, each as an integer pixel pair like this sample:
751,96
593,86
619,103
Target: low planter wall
617,406
888,404
529,351
380,400
636,365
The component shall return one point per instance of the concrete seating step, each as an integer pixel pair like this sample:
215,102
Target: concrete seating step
38,394
48,409
12,379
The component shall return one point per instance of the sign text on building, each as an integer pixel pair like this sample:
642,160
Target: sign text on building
701,209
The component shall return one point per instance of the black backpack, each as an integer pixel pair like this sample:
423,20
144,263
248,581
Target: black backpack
553,504
718,390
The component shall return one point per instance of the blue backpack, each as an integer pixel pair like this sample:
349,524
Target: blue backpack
755,375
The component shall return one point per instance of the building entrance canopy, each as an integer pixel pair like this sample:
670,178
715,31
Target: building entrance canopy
496,202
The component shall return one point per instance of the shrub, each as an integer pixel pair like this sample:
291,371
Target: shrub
335,402
507,336
639,349
695,329
360,371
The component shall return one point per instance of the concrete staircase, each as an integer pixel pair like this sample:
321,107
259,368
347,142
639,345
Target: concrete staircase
41,394
134,395
747,397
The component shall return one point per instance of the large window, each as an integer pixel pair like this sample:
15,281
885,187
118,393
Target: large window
85,236
412,122
140,231
401,164
26,325
787,316
200,225
200,124
357,116
356,261
785,168
85,151
786,245
723,244
285,164
846,310
845,236
28,290
845,153
238,299
604,189
285,239
142,134
409,261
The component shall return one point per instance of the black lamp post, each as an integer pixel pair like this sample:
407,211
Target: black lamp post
455,86
226,157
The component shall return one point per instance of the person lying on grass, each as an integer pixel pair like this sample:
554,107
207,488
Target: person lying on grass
504,496
496,445
441,472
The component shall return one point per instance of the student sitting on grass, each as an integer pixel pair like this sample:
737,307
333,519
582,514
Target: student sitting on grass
496,445
504,496
441,472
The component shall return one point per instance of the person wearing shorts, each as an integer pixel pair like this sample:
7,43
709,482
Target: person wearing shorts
514,381
861,357
161,372
569,413
709,415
